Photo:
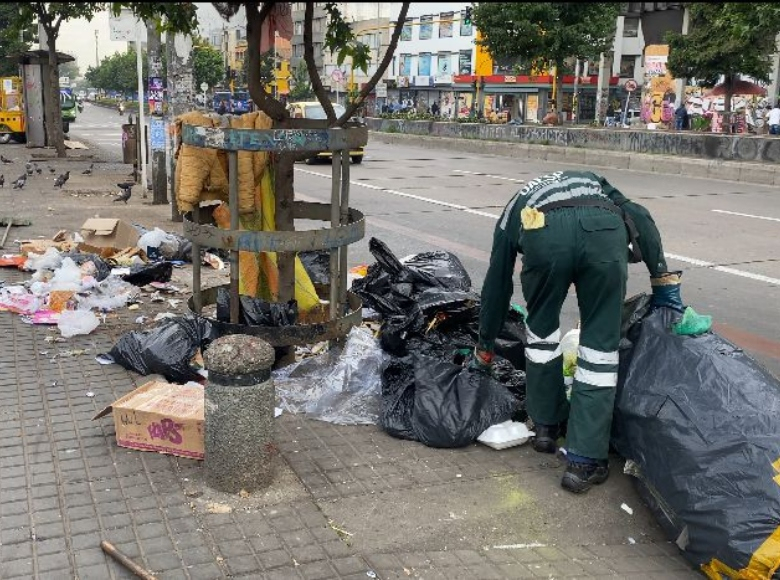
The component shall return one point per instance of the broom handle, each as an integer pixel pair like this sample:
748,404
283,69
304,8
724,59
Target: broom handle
5,235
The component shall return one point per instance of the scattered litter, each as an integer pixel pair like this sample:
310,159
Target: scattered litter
71,353
90,394
51,339
213,260
631,540
141,319
371,574
627,509
278,411
76,322
218,508
104,359
519,546
134,307
174,302
164,316
42,317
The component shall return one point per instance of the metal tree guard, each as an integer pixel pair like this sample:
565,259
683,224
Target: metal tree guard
347,226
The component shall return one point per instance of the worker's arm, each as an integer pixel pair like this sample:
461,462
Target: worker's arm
649,237
497,288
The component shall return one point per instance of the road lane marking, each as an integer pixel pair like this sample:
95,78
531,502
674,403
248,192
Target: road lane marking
479,173
679,258
749,215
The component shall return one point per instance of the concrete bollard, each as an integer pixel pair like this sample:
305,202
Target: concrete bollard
239,407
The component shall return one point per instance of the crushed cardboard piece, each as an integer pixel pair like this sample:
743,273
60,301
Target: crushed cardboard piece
40,246
160,416
109,233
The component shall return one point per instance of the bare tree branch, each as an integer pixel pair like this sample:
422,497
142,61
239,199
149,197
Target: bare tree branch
379,71
308,57
254,23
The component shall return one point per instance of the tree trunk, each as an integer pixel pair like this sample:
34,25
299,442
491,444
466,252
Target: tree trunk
559,90
53,109
159,171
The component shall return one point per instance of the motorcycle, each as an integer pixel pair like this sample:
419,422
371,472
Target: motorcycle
121,109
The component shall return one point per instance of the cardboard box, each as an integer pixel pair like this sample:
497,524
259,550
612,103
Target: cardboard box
160,416
109,233
40,246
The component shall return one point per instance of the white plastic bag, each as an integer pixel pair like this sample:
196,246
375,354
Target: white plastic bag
154,238
110,294
67,276
569,345
75,322
49,260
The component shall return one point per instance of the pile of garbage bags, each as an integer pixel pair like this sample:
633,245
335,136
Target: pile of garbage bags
697,420
430,325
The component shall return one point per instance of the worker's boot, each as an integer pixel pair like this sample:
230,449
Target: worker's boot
579,477
545,438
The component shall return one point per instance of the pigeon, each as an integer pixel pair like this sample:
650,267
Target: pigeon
51,169
19,183
5,159
2,181
126,192
61,179
38,170
28,168
88,171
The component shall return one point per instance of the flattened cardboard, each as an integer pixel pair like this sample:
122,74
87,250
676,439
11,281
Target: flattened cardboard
162,417
40,246
109,233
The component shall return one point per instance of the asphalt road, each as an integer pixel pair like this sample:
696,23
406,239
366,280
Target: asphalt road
722,234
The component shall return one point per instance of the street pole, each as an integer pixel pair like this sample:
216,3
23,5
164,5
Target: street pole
180,92
141,114
97,58
159,171
574,99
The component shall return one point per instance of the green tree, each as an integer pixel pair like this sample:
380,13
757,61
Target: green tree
725,40
543,34
208,65
300,85
70,70
11,41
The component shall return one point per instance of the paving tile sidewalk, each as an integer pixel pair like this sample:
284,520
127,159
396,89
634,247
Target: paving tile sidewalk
348,502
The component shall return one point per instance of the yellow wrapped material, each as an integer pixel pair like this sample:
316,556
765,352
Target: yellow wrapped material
248,270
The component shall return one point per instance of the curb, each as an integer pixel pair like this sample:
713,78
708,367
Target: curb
739,171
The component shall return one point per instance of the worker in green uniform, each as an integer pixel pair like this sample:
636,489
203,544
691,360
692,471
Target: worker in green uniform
572,227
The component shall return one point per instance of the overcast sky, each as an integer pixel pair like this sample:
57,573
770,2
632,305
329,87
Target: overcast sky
77,37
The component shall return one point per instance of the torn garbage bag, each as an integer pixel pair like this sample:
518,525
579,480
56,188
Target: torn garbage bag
257,312
699,418
440,403
143,274
167,349
340,386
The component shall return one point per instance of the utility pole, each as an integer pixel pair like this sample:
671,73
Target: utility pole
181,93
97,58
156,121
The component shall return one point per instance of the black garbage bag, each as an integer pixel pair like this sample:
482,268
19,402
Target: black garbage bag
398,391
257,312
176,248
143,274
396,330
317,265
102,268
514,380
699,418
511,341
167,349
453,404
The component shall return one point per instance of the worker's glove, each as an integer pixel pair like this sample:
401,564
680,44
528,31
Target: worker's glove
666,292
481,361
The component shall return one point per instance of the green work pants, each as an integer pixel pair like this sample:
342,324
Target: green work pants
587,247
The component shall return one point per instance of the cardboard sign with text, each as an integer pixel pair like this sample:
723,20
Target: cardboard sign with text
162,417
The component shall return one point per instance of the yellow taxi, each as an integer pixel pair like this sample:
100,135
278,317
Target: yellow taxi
313,110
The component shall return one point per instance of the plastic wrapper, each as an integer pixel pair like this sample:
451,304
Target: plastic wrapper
167,349
67,276
698,417
257,312
143,274
100,268
76,322
110,294
49,260
153,238
18,300
339,386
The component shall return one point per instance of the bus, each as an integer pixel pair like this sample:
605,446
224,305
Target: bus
68,105
241,102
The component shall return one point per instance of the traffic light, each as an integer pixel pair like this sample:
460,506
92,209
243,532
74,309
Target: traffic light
467,16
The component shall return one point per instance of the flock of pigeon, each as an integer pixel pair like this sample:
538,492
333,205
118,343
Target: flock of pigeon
31,168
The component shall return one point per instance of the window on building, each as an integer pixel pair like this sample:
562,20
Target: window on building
406,31
445,24
424,64
298,50
464,62
240,33
318,26
627,66
630,27
444,66
405,65
465,29
426,27
634,7
299,27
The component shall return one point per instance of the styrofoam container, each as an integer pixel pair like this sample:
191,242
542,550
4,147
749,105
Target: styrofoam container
505,435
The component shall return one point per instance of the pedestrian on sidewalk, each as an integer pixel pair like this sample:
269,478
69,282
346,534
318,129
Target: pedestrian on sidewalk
572,227
773,120
681,117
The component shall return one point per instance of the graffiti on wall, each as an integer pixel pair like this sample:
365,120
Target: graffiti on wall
658,90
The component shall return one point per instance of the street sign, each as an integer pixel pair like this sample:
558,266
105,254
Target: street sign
630,85
381,90
337,75
204,86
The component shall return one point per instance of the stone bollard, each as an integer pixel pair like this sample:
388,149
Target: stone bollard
239,409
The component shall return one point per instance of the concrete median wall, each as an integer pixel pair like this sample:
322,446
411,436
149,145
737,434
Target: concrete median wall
747,159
